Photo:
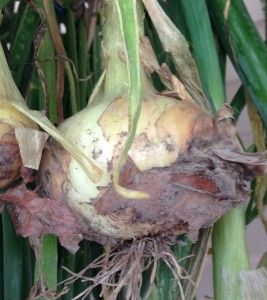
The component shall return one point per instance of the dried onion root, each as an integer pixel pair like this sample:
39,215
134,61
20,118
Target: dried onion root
123,267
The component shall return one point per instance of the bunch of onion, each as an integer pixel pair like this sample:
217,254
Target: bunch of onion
168,166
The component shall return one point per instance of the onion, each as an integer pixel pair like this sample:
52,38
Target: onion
178,157
181,157
174,158
186,161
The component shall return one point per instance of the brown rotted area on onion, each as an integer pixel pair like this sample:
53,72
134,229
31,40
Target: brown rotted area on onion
10,160
190,194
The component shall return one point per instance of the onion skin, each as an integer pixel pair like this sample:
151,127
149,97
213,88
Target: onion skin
10,159
171,159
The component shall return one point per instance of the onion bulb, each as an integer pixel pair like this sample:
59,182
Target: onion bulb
177,158
187,161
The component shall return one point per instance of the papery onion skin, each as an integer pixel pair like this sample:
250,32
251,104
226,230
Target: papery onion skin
171,159
9,114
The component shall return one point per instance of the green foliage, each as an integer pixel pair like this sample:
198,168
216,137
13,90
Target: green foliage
204,50
246,49
3,3
16,261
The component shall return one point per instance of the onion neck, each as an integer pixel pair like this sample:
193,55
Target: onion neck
114,58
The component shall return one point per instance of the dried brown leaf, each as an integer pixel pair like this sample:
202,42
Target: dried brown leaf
175,43
255,162
150,62
28,175
34,216
178,89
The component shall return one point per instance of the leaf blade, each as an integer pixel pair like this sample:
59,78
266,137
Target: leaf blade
129,25
245,47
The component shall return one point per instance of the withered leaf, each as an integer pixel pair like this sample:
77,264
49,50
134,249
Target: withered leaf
27,174
255,162
33,216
